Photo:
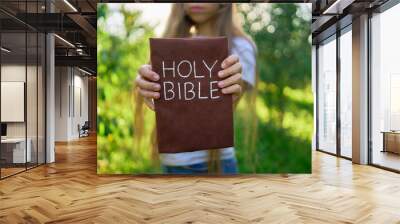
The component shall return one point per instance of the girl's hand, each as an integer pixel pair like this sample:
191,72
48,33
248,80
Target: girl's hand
147,86
232,77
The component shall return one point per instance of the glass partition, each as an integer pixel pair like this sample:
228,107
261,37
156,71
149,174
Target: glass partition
41,91
14,153
22,88
327,95
385,89
346,93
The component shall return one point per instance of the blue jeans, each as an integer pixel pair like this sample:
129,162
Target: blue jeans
228,166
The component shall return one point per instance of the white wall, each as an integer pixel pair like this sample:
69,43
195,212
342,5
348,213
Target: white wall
71,94
13,101
61,103
12,73
80,109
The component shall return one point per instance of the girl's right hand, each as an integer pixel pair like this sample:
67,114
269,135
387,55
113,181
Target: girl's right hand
147,86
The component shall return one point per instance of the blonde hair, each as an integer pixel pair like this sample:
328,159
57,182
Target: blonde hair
179,25
226,23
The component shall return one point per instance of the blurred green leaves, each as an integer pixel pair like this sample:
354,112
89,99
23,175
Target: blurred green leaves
284,102
119,57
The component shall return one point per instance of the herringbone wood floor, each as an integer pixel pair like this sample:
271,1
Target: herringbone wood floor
69,191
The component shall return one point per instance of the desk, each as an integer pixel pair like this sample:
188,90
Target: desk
13,150
391,141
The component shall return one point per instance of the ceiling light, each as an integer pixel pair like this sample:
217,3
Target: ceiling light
70,5
338,6
5,50
84,71
64,40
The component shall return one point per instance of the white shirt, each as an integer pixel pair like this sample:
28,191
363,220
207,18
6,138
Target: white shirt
247,56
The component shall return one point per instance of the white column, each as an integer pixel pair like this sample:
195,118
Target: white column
360,90
314,90
50,99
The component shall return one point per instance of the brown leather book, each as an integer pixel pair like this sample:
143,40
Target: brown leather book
192,113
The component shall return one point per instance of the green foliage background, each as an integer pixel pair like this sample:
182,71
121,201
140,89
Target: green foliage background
284,103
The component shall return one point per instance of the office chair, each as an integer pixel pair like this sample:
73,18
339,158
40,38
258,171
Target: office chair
84,130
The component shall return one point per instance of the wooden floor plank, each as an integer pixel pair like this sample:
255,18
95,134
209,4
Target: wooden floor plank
70,191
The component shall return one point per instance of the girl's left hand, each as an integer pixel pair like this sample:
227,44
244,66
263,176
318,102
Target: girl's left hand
232,77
